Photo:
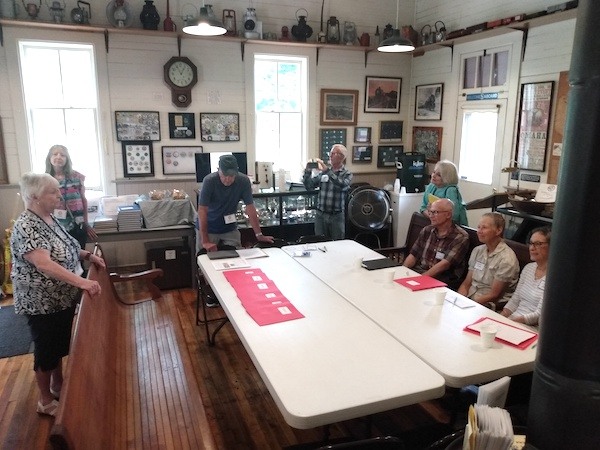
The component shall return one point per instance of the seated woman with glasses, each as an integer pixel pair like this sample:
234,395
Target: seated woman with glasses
444,184
493,266
525,305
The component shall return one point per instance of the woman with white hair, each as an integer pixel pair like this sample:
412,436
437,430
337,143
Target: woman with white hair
444,184
46,282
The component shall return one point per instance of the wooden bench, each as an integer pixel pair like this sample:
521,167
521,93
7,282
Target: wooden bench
418,221
129,380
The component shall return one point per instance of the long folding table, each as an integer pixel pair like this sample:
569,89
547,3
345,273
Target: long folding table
333,364
433,333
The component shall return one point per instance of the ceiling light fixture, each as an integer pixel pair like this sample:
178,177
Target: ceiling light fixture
396,43
205,25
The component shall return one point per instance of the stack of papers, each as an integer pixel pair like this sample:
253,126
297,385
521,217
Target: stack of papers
105,224
507,334
488,428
129,218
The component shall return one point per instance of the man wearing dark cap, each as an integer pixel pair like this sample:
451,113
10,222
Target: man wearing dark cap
217,205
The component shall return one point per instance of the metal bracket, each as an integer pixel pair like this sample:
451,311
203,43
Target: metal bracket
243,48
106,40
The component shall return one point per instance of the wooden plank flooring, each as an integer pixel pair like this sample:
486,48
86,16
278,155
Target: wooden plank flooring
239,408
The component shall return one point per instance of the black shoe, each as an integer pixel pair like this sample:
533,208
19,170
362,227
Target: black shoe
211,301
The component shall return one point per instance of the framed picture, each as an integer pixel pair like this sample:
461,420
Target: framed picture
382,94
327,138
138,160
362,134
428,101
220,127
390,130
428,140
534,123
387,155
137,125
182,126
179,160
338,107
362,153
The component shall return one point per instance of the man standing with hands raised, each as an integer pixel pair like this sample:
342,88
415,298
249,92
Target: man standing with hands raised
333,182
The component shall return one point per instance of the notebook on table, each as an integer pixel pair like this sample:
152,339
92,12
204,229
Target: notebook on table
381,263
222,254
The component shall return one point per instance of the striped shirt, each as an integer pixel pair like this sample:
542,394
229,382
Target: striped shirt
528,297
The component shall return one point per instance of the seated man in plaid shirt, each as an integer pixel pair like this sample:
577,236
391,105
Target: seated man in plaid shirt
441,249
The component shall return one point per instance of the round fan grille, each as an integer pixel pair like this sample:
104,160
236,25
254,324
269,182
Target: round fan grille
369,209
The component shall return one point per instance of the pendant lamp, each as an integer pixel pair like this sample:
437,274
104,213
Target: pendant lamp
396,43
205,25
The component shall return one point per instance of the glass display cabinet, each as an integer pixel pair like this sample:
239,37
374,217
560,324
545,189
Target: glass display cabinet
286,215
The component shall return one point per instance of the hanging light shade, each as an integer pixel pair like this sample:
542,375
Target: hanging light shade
205,25
396,44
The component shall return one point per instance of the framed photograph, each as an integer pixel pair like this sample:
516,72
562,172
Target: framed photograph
534,123
137,125
391,130
182,126
179,160
327,138
362,134
428,141
382,94
338,107
219,127
428,101
138,160
362,153
387,155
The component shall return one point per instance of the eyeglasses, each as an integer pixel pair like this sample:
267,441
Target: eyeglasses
434,212
337,153
537,244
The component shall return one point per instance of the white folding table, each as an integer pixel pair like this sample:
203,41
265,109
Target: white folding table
433,333
332,365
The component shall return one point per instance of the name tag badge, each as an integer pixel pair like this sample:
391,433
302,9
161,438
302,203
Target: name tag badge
60,213
479,265
439,255
542,285
229,218
324,178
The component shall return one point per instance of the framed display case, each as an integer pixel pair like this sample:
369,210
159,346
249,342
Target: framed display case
285,215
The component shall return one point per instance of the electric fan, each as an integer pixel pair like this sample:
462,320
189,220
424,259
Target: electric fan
369,210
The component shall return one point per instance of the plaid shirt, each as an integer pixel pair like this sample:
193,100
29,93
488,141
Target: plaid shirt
453,247
333,186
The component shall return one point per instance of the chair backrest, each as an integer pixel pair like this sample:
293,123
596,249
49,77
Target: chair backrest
417,222
311,239
521,250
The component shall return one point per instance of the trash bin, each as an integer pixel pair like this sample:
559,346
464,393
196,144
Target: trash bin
173,257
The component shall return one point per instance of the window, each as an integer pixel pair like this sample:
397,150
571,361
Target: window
478,145
280,104
61,102
487,69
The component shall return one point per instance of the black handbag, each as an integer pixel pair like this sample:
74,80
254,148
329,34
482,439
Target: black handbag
78,231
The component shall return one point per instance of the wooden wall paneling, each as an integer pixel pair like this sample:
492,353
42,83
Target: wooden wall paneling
558,126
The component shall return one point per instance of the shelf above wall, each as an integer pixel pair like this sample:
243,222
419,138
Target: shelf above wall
523,26
175,34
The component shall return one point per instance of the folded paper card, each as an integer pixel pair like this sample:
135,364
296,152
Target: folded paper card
420,282
507,334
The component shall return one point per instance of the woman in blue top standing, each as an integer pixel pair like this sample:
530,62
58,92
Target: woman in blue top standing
444,184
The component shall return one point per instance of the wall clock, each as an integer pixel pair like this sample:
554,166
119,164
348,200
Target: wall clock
181,75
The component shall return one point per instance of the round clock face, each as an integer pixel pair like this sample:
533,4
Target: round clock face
181,74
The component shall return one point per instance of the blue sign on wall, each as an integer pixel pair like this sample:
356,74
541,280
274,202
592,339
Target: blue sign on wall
485,96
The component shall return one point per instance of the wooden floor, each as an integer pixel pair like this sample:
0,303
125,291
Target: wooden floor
240,410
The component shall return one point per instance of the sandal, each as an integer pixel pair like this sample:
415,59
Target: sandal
48,409
55,393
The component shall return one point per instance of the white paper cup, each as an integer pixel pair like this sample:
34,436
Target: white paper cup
358,263
488,334
391,275
439,297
